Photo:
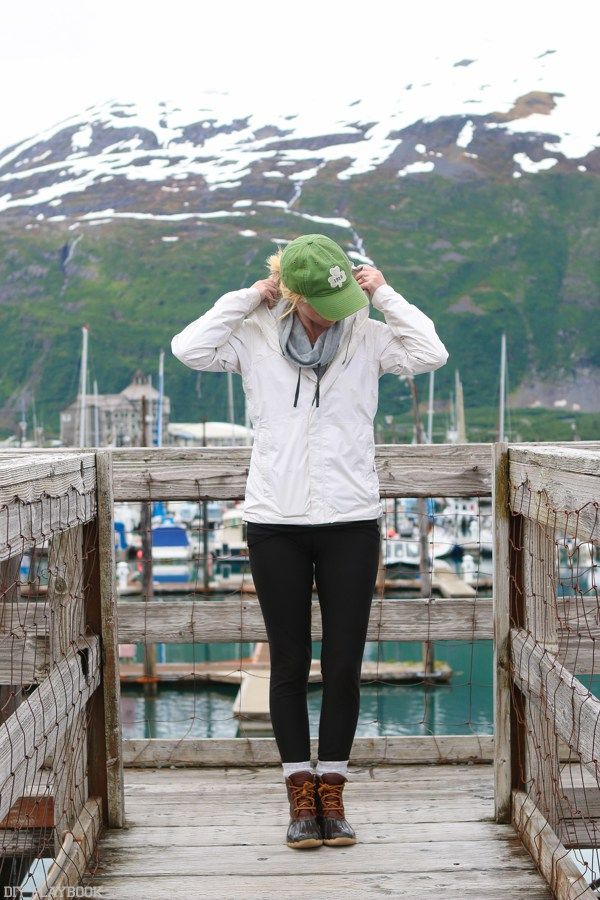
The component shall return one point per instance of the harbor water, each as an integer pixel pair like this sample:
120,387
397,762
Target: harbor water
197,709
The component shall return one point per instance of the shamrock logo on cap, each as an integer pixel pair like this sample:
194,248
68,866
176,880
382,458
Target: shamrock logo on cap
337,276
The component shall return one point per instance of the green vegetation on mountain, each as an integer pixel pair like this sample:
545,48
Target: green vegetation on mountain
480,258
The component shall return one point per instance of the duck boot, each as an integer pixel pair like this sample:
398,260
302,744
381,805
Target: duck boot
336,831
303,830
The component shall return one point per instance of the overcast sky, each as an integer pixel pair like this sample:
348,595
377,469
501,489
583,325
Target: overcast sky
58,58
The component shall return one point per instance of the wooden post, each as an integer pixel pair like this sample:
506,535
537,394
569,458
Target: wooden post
149,648
150,684
205,550
540,572
11,695
105,755
425,575
501,666
67,623
425,585
204,517
15,865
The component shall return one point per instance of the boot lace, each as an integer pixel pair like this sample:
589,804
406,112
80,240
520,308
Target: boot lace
331,797
303,796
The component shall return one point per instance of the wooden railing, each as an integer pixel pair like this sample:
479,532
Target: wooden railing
532,649
197,474
61,774
547,517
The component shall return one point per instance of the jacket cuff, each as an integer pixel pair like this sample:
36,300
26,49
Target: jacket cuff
382,293
253,295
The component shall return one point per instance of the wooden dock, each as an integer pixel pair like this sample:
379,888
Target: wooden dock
210,833
180,816
446,584
230,672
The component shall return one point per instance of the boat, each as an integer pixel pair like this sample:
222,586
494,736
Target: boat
172,554
469,521
401,555
230,550
479,537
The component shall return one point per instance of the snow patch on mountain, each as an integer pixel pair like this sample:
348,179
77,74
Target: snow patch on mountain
528,165
466,134
223,138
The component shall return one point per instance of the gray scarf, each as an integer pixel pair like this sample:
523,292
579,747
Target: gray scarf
297,348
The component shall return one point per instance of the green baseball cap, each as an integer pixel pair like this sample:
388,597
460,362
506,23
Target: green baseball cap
317,268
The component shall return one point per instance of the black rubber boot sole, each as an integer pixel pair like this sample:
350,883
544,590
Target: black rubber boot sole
305,843
339,841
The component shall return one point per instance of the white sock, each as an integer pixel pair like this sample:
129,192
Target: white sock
290,767
336,765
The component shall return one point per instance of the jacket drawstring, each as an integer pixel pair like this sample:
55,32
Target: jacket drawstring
317,390
316,396
297,388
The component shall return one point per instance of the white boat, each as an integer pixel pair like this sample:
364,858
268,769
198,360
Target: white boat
402,554
230,550
172,553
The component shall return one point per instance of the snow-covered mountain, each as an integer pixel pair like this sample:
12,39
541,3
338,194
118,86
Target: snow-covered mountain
475,190
132,159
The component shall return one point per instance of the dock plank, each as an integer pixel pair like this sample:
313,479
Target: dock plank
408,857
176,777
449,885
418,832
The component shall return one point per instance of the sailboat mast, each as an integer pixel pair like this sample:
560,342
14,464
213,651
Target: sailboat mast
502,387
35,424
22,423
430,410
461,431
83,386
230,405
159,405
451,430
96,416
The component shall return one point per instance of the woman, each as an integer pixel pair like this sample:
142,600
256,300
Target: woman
310,358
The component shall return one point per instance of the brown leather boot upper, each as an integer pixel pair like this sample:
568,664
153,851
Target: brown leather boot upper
329,788
332,818
301,791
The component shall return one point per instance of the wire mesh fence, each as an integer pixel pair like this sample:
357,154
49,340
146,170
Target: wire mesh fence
194,654
191,655
49,670
554,531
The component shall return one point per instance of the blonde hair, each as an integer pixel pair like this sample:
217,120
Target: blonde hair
274,267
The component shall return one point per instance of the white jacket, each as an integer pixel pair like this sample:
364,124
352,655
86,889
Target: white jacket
311,464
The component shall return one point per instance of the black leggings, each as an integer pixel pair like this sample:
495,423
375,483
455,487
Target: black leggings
343,559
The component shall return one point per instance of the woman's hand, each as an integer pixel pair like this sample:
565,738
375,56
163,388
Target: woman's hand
369,278
268,289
